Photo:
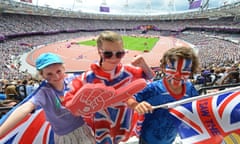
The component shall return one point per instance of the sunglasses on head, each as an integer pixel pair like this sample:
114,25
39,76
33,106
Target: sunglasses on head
109,54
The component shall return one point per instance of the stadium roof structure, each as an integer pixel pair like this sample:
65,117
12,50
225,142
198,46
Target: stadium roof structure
228,10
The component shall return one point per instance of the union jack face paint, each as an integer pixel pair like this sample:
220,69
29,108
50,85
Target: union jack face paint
178,70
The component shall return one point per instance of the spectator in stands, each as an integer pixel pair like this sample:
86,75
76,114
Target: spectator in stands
3,83
35,83
8,95
1,86
11,92
220,74
112,124
231,78
25,89
159,126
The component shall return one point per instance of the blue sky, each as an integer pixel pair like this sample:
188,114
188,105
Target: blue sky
134,6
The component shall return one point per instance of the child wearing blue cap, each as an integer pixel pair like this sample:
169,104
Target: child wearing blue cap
67,127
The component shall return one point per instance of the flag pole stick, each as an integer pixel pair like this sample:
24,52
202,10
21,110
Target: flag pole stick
183,101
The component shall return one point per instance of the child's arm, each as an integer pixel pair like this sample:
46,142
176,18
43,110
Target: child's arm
15,117
132,103
141,107
140,62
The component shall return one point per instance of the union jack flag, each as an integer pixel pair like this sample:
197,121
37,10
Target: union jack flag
32,129
210,119
113,125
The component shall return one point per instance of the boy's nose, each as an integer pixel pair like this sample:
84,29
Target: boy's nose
177,74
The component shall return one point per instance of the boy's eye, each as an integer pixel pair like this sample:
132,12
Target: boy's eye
171,67
171,64
188,69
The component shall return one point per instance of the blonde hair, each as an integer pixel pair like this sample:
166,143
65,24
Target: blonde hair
110,36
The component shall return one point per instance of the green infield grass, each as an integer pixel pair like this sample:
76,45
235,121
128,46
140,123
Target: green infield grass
131,43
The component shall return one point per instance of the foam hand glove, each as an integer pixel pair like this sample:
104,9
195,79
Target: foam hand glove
124,93
91,98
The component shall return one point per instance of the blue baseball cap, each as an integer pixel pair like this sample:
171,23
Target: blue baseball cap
47,59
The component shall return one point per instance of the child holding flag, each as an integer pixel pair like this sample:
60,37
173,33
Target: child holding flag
67,127
159,126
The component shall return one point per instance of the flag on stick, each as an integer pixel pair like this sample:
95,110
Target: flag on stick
209,119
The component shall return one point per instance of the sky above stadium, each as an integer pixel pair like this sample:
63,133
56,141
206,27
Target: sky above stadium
126,6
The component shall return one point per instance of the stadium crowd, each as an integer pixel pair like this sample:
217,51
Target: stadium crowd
215,54
219,57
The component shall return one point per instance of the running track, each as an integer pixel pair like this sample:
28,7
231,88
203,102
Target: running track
79,57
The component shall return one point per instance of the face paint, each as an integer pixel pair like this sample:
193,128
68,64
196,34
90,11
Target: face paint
178,71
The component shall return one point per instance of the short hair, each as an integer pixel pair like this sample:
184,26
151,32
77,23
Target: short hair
110,36
182,52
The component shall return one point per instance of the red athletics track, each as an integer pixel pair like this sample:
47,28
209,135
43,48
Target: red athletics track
79,57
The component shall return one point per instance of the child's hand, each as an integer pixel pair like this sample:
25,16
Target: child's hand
143,107
139,61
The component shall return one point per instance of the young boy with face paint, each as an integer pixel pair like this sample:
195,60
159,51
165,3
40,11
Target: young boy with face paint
159,126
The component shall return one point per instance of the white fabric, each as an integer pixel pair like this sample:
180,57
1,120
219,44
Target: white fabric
82,135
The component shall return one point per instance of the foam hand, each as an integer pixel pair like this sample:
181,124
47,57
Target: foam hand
124,93
89,99
93,97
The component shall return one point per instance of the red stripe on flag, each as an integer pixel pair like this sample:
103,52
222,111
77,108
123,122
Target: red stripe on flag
182,117
32,131
226,102
204,108
46,134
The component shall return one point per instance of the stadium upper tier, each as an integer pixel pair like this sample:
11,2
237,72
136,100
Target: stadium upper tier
8,6
14,25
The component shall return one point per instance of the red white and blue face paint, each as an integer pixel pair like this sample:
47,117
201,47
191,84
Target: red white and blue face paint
178,71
